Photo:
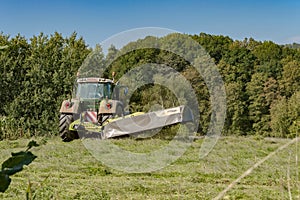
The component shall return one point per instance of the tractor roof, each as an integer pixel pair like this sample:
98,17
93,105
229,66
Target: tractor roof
94,80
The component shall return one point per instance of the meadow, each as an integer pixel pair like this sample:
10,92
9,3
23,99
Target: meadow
237,168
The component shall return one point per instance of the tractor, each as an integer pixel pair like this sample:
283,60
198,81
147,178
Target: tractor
99,96
96,108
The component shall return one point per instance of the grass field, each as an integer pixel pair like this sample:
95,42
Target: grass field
69,171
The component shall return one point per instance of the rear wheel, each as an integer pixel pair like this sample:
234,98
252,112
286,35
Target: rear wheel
64,122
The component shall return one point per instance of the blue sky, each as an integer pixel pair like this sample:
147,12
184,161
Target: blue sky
96,20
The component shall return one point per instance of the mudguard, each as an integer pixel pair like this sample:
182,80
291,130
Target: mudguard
68,106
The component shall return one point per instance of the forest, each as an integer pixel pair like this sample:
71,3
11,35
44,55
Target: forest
261,80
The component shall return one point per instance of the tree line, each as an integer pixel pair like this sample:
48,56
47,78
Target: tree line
261,81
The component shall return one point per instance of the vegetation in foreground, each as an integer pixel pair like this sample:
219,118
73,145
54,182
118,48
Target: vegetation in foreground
69,171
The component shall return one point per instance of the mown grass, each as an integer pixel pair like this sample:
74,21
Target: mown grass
69,171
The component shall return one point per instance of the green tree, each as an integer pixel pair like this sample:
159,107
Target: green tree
48,78
203,97
94,64
285,116
237,64
290,78
215,45
280,118
111,54
237,122
268,56
12,68
258,108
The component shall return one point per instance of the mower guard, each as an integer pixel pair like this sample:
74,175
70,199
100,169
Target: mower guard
134,123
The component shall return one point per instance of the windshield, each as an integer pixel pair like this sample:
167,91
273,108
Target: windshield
93,90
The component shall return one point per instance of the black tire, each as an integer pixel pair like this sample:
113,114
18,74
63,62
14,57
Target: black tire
64,122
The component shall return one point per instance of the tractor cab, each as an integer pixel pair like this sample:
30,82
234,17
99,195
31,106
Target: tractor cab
94,88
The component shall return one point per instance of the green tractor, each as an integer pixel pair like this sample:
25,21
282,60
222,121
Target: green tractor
96,111
98,96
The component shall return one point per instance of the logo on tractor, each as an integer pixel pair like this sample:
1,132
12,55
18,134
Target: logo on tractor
108,106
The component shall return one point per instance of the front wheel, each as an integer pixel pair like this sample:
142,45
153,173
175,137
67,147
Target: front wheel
64,122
